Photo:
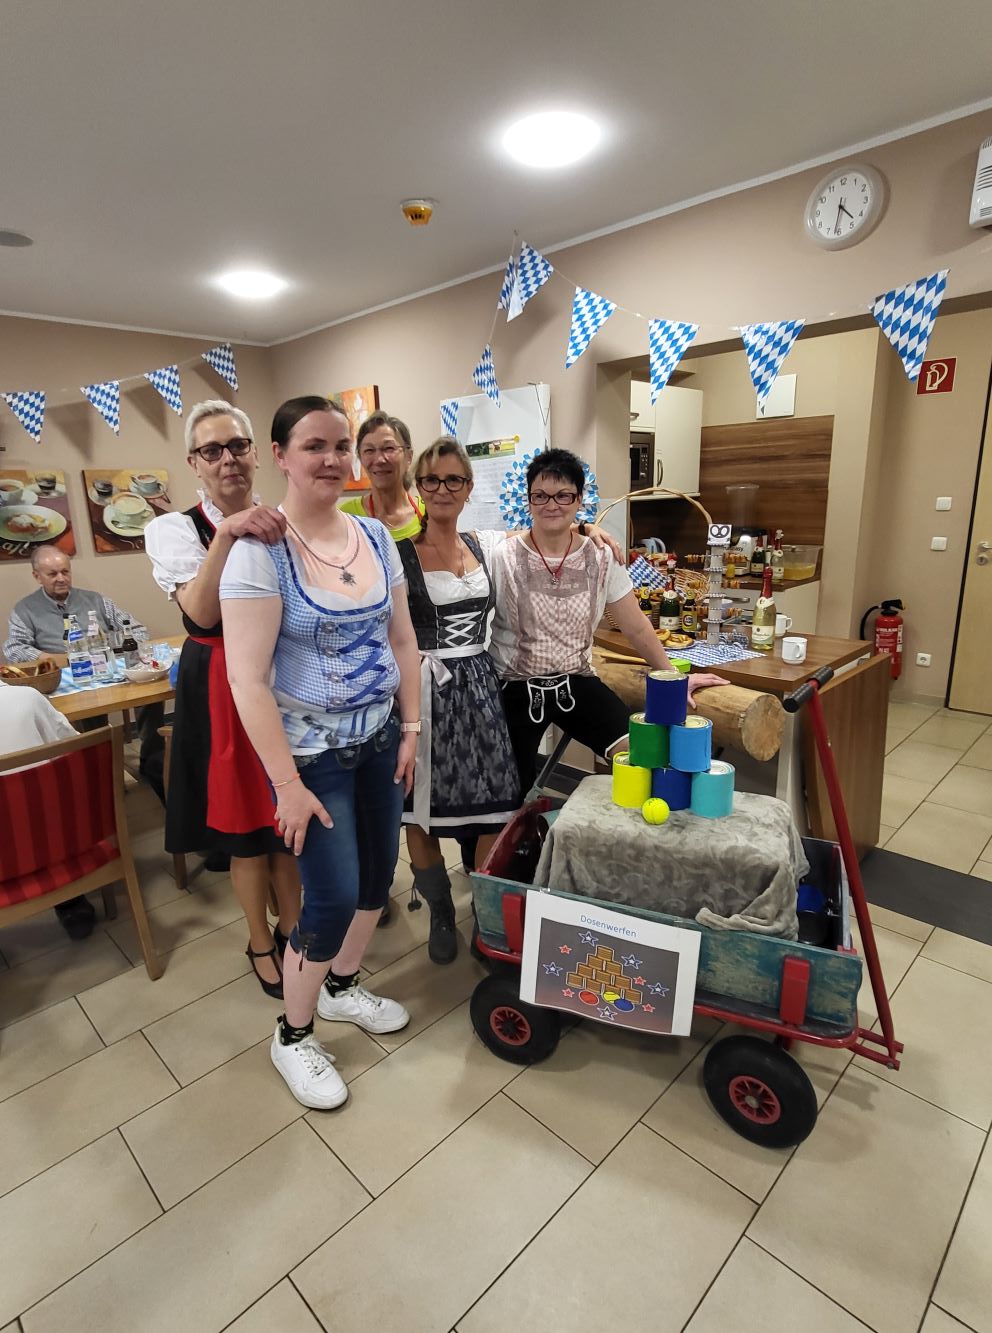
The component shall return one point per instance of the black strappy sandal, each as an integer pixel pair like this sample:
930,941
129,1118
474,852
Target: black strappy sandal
271,988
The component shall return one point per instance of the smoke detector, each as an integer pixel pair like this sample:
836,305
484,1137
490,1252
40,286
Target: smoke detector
418,212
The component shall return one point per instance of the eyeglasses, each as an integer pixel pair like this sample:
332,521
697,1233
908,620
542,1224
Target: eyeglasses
212,453
562,498
387,451
451,484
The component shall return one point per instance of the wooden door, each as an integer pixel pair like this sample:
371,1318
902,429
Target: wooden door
971,668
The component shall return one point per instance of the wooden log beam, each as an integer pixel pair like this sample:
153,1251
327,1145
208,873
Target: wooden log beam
745,719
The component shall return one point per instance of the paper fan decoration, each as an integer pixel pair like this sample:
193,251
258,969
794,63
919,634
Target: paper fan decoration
513,506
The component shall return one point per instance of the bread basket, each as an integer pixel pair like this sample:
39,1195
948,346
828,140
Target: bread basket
44,675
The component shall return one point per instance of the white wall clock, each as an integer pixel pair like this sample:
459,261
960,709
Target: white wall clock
846,205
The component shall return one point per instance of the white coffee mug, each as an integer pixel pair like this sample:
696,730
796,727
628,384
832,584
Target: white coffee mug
794,649
782,623
10,491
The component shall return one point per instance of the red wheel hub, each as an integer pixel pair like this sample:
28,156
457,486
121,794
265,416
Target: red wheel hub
755,1100
510,1025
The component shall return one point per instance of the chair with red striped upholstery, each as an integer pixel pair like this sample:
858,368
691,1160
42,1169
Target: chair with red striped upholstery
63,829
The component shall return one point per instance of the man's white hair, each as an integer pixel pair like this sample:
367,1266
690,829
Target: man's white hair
214,407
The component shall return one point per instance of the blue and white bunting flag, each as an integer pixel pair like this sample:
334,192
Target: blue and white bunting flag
645,575
506,291
449,416
533,271
906,317
29,409
667,340
589,313
767,346
106,398
166,380
221,359
485,375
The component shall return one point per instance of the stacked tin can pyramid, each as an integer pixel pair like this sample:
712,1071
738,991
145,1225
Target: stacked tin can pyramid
670,755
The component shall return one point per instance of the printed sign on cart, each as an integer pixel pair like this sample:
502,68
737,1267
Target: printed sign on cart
617,969
936,376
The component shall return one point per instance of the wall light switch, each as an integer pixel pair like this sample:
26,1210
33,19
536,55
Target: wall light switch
938,543
943,502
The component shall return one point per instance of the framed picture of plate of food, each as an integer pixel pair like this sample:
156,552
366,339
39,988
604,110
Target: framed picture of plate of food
121,502
34,509
358,404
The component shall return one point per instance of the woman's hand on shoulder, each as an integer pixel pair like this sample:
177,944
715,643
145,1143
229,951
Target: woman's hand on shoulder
261,521
296,806
600,538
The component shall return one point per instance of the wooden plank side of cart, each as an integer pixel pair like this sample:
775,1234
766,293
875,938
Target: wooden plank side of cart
740,969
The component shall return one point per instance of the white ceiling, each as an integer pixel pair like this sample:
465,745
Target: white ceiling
147,146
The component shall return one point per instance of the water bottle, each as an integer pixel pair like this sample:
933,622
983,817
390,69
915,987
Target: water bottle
78,653
101,655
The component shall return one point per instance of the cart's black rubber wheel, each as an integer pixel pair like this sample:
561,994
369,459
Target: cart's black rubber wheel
518,1032
761,1092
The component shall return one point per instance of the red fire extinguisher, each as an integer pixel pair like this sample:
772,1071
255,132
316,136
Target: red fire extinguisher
888,633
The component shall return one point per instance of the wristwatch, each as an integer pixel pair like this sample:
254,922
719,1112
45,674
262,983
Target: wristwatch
412,726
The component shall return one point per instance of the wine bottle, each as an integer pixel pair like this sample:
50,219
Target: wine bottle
763,620
777,559
669,613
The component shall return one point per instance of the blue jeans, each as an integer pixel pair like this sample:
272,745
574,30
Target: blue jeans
350,865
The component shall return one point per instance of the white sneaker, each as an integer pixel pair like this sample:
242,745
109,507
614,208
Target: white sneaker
357,1005
310,1072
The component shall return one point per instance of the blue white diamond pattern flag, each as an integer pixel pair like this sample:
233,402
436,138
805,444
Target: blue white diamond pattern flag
667,340
533,271
589,313
645,575
767,346
166,380
221,358
906,317
106,398
485,375
29,409
449,416
506,291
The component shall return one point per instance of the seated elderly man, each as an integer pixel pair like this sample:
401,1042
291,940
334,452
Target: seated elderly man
36,627
27,719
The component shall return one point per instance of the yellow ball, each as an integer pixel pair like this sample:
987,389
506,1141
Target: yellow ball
655,810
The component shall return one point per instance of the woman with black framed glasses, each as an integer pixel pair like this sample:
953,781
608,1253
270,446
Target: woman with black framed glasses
219,801
552,588
465,782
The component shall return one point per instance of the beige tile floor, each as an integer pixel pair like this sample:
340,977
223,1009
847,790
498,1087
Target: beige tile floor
155,1175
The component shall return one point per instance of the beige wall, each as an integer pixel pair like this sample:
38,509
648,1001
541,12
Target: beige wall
58,357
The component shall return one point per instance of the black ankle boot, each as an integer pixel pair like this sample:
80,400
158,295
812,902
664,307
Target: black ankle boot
434,887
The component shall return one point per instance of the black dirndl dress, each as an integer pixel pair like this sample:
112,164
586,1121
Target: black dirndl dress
219,800
466,782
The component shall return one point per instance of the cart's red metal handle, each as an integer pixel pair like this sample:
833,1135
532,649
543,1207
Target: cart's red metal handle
809,693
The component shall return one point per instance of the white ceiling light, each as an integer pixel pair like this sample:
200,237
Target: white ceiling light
251,284
551,138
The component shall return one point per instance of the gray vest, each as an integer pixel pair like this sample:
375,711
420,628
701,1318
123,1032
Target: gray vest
43,617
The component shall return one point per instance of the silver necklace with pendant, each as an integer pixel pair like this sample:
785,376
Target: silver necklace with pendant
341,568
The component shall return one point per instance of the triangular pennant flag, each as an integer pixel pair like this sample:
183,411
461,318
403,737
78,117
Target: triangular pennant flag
29,409
506,291
906,317
449,416
645,575
166,380
533,271
485,375
667,340
106,398
221,358
767,346
589,313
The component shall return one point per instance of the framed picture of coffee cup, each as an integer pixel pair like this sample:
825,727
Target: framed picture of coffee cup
34,509
121,502
358,404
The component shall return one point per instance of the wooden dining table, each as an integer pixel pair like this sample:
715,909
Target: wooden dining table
121,697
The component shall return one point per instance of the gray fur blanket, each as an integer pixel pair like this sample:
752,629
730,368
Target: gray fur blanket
737,873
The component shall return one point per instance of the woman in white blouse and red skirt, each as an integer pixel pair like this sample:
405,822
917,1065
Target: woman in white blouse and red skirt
218,799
